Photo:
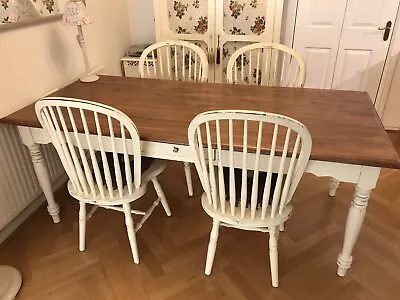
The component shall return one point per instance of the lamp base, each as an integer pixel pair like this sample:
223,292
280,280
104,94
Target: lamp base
10,282
89,78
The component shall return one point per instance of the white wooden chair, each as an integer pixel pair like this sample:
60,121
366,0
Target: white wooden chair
97,145
266,64
175,60
286,146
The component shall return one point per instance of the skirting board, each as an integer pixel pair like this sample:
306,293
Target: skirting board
30,209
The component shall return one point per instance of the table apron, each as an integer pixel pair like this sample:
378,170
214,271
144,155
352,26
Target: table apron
176,152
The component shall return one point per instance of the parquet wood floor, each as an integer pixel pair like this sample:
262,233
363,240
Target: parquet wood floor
172,250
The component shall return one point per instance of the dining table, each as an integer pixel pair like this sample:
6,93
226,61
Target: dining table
350,143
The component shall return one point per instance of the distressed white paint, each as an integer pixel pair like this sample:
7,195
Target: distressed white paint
82,155
16,167
176,152
176,60
276,64
249,215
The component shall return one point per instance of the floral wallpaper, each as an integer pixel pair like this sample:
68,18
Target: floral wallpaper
245,17
188,16
28,8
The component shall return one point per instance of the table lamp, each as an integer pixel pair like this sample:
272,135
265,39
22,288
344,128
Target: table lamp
76,15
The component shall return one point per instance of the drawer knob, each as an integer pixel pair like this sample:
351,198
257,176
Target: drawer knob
175,150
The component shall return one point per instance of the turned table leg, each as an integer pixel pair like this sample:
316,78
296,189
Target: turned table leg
41,171
356,215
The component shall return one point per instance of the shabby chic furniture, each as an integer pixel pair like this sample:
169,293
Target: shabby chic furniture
349,141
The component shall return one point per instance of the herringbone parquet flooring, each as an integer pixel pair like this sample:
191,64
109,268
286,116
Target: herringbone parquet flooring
172,250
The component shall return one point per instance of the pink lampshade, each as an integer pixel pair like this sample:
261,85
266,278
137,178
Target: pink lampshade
75,14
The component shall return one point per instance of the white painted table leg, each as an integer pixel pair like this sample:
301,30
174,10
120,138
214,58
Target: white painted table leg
334,184
188,176
41,171
43,176
355,218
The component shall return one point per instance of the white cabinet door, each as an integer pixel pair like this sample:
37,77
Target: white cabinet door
362,50
190,20
241,22
317,35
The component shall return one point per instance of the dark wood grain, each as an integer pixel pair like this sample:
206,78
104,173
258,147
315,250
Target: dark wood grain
344,125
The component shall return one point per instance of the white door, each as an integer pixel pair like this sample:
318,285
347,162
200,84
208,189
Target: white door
317,35
363,46
342,44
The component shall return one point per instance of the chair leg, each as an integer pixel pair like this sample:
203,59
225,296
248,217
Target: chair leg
273,255
282,227
212,246
188,175
82,225
333,186
131,232
160,194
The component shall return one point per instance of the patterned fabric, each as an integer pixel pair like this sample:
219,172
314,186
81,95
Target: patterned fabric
17,10
21,10
188,16
76,14
241,17
245,17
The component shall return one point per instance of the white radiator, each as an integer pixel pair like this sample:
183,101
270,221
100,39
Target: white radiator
18,182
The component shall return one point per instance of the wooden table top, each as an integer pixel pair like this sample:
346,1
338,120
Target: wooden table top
344,125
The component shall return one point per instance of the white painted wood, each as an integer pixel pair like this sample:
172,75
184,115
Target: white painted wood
275,65
42,173
362,51
334,185
81,40
131,232
183,54
82,153
164,30
249,215
82,225
343,172
212,246
271,33
161,195
367,182
273,255
317,36
386,101
216,36
342,45
188,176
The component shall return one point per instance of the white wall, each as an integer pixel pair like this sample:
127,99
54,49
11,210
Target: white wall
35,60
141,21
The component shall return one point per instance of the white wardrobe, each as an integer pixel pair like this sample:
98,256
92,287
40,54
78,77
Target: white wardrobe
219,27
346,44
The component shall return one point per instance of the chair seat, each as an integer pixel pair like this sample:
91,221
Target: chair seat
151,168
247,221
